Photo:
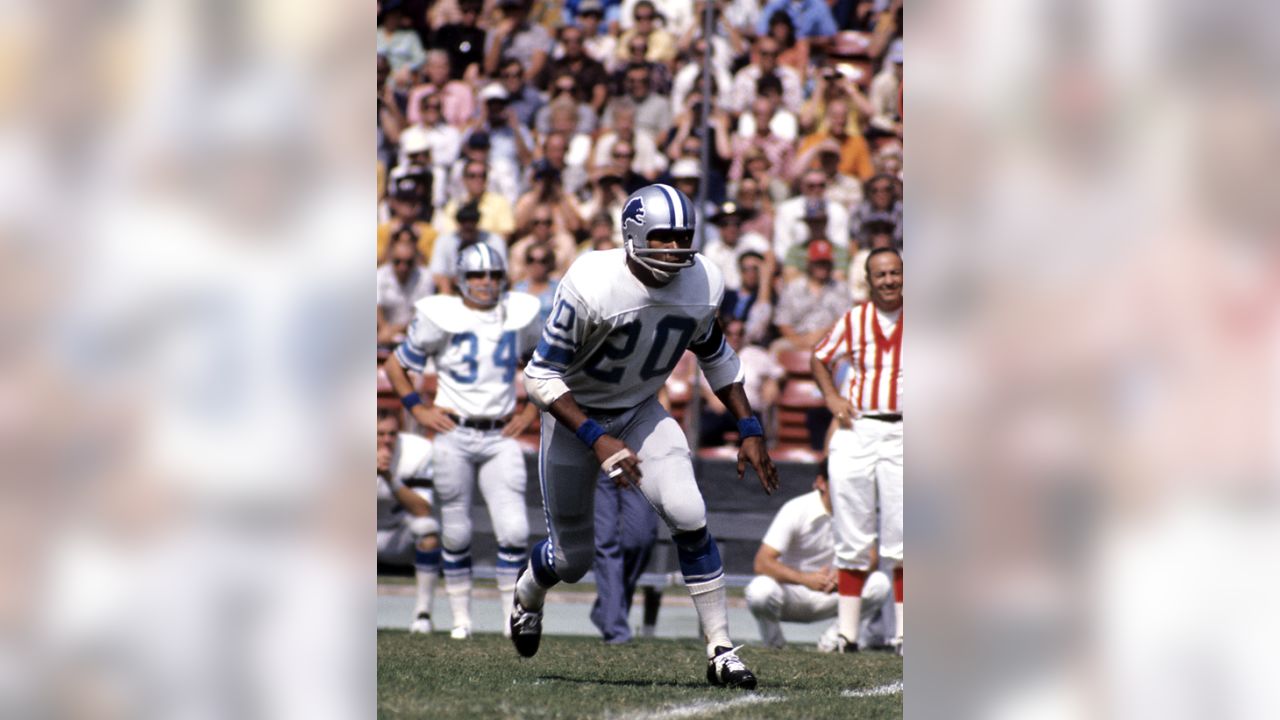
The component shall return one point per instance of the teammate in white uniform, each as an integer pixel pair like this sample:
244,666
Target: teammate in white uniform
406,531
477,340
796,581
866,447
621,321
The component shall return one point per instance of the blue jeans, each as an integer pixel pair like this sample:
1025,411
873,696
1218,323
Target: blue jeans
626,528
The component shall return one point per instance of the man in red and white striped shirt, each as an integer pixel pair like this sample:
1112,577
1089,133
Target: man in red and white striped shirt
866,448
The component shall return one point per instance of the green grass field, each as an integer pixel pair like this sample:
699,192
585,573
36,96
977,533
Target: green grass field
576,677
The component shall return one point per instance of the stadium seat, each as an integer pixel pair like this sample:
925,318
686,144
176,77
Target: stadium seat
799,398
796,363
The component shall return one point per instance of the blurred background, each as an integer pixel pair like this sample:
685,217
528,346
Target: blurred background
181,417
184,404
1092,498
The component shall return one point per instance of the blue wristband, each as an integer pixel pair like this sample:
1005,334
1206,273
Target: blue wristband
410,401
589,432
749,427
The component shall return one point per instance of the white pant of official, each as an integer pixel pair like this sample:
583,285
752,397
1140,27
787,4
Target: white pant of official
865,468
773,603
568,471
463,455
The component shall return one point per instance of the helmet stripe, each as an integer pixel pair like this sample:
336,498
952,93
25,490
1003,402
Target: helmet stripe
669,193
684,207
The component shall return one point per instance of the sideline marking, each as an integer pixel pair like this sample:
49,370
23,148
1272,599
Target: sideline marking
892,688
703,707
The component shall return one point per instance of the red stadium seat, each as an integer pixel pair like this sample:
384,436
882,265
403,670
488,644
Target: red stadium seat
796,363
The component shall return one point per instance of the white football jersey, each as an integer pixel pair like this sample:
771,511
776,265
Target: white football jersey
614,340
411,465
476,351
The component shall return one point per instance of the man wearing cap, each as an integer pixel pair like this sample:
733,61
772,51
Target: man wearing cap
496,213
810,305
796,261
686,176
727,242
788,220
509,140
444,257
599,46
516,37
418,157
404,203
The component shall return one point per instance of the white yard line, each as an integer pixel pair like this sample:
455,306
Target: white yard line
699,709
892,688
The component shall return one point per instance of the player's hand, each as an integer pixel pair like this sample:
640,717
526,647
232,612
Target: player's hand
384,460
753,451
434,418
624,472
516,425
843,411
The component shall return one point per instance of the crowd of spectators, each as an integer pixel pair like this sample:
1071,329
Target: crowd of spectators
525,124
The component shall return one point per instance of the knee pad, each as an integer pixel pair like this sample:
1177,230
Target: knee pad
456,535
699,556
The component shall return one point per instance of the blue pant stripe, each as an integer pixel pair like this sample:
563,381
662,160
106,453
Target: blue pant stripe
544,568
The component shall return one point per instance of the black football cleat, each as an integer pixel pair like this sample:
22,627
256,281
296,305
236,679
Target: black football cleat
525,625
727,670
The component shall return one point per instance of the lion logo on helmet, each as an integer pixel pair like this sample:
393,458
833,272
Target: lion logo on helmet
633,213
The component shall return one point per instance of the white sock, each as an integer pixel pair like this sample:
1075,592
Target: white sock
532,595
459,591
848,608
505,590
713,613
426,591
897,615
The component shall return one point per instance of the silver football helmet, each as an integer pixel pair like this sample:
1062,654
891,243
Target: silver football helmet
480,258
654,208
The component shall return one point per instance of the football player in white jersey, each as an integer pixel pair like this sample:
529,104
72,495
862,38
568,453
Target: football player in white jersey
476,340
620,322
406,531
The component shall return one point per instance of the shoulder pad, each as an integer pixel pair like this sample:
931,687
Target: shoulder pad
715,278
522,309
444,311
